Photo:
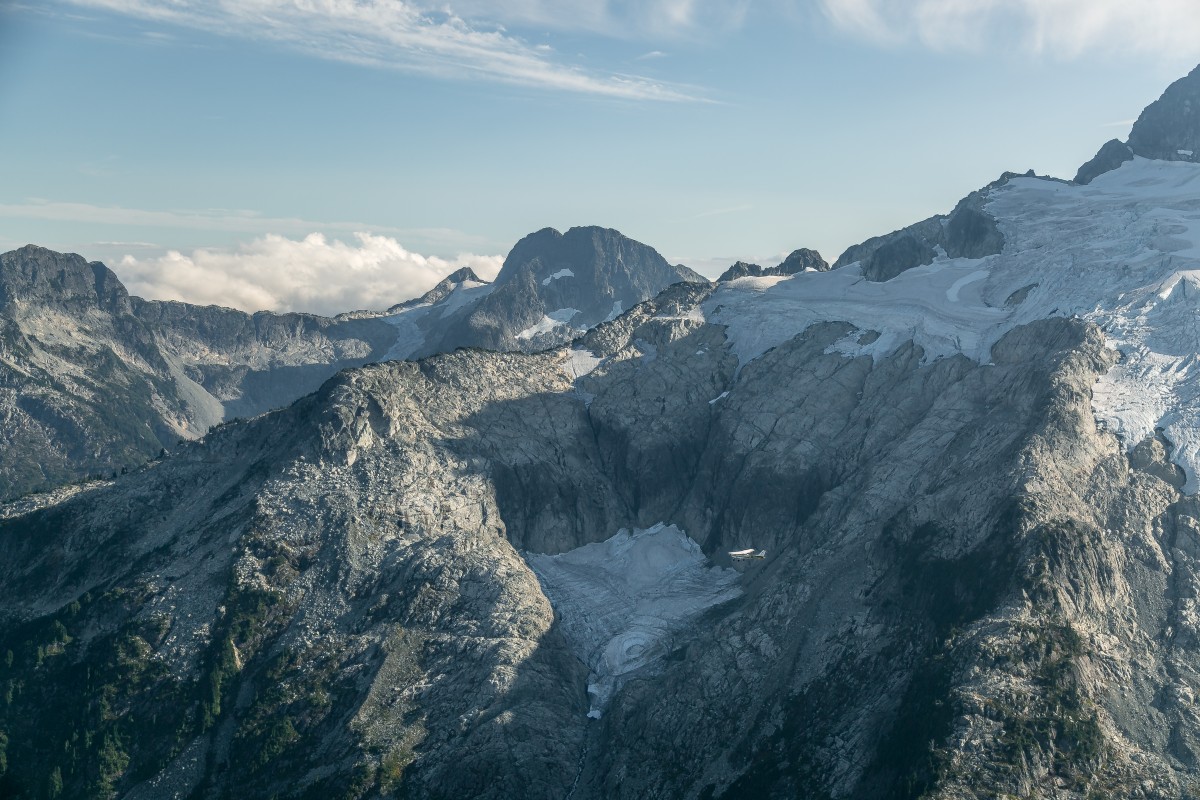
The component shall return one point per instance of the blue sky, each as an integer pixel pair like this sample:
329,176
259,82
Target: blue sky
233,152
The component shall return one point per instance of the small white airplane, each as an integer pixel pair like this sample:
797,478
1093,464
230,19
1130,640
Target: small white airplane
742,555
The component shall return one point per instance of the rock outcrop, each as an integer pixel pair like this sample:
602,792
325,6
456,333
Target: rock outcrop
1112,155
1169,128
802,260
969,231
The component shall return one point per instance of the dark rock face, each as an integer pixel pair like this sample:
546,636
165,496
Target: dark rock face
1113,154
897,255
969,231
597,273
972,233
797,261
742,269
253,363
1169,128
803,259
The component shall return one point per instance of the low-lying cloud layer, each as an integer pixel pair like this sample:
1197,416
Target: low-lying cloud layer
317,274
1063,28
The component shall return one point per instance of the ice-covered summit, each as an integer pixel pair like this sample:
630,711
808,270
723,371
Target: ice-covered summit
1123,252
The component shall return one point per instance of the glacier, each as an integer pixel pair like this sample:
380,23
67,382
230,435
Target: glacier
1122,252
622,601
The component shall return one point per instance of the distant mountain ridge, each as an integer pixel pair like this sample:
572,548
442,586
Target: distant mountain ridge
801,260
93,380
554,286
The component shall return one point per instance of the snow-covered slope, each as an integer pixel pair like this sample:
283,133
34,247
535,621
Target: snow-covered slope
1122,252
622,599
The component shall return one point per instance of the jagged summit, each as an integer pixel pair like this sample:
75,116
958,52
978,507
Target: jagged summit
969,231
605,250
553,286
801,260
1169,128
39,276
463,276
742,269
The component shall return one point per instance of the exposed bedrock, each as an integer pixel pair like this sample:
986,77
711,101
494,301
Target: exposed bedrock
969,590
969,231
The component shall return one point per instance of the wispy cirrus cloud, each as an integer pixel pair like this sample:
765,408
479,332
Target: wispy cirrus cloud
314,273
1065,28
627,19
411,35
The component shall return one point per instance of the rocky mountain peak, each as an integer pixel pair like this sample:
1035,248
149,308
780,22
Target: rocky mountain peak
443,288
1113,154
37,276
1169,128
802,259
741,269
553,286
797,261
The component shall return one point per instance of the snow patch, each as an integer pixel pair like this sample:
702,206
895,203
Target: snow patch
409,336
549,322
410,323
721,396
466,293
562,273
692,315
624,602
581,361
616,311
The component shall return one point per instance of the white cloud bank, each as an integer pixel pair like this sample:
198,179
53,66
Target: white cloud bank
1064,28
413,35
317,274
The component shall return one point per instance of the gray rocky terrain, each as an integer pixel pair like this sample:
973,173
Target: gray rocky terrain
969,231
94,381
797,261
508,574
970,593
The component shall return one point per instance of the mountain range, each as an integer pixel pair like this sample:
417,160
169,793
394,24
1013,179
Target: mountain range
94,381
496,564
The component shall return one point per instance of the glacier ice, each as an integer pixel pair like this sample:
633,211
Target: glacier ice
1122,252
623,601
